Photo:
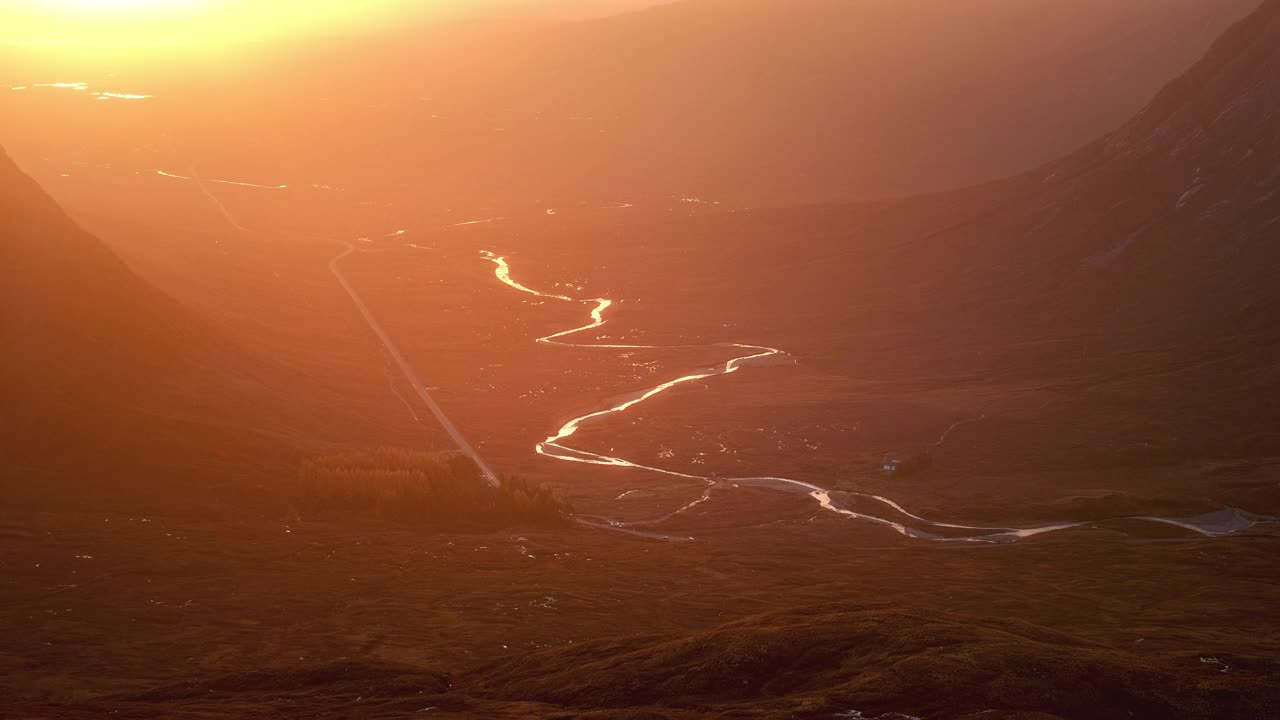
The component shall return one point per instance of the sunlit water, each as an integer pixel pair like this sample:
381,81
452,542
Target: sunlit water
1224,522
83,87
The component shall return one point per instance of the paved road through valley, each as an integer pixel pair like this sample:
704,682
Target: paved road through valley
408,371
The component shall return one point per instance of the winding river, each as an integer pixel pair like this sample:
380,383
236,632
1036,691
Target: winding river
1223,522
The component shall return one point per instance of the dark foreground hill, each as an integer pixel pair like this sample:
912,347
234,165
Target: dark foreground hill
827,660
111,612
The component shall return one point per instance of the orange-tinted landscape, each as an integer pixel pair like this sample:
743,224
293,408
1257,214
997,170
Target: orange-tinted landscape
631,359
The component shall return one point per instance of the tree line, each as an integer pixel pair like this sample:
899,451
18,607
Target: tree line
427,489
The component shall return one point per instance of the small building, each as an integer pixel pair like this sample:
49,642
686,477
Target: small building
891,464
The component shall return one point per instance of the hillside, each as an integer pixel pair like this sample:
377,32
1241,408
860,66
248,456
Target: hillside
110,385
384,624
68,294
820,661
89,345
1155,239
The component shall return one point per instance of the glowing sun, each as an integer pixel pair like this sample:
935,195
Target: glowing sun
122,23
126,5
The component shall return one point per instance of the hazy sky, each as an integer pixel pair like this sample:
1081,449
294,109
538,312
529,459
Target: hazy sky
124,22
136,22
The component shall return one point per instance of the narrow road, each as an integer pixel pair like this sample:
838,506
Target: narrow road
407,369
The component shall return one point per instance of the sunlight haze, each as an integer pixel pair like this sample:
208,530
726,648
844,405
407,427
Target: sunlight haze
123,22
193,22
622,359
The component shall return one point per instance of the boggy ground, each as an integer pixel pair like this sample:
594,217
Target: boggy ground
199,614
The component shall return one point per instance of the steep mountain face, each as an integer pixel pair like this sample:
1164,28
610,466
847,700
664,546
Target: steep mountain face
1163,230
1160,232
1139,272
1190,188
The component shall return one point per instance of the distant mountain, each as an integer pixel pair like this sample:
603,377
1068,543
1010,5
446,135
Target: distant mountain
752,102
804,99
1174,217
1161,231
1139,272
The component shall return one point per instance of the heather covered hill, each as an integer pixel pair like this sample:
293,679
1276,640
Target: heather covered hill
309,617
822,661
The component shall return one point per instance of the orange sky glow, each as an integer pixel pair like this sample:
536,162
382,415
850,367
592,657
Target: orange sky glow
93,23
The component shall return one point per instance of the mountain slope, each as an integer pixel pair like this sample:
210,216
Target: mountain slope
1162,231
107,381
1139,272
68,295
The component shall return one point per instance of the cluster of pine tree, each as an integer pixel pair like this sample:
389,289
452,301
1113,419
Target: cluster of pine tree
436,490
